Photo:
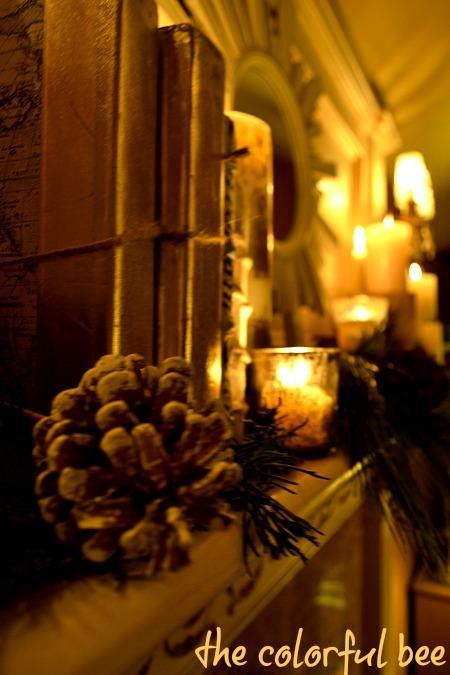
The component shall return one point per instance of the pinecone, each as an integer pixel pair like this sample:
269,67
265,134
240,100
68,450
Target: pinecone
127,467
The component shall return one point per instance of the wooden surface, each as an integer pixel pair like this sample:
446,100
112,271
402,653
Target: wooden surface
94,627
431,617
325,598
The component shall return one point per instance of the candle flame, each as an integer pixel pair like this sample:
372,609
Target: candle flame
415,272
361,313
294,375
359,243
388,221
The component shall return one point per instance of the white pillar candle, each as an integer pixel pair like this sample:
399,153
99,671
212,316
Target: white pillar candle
240,314
425,289
254,204
244,315
359,255
243,266
388,249
430,336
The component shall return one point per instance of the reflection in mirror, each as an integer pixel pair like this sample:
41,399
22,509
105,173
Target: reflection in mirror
254,96
288,107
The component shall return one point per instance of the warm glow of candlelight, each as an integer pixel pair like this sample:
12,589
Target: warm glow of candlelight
245,312
294,375
388,221
361,313
424,287
388,252
359,242
215,370
357,318
412,182
360,308
415,272
324,185
300,385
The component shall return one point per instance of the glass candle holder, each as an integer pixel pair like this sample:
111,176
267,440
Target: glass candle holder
357,318
301,384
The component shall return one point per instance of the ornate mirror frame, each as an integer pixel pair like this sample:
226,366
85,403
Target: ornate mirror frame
262,67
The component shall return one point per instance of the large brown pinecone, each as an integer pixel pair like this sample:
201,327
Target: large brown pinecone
127,467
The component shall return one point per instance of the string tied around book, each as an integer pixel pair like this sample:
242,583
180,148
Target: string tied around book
152,231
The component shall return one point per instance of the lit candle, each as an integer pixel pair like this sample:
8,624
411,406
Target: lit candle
302,406
240,314
253,185
388,249
412,183
242,269
359,251
359,255
430,336
425,289
357,318
244,315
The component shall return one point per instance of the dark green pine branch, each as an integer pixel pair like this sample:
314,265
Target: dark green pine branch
391,446
268,463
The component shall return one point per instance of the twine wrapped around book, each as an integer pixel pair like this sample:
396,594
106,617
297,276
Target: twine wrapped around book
145,232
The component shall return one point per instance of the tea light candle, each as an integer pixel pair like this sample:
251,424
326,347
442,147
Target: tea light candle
388,249
425,289
357,318
306,408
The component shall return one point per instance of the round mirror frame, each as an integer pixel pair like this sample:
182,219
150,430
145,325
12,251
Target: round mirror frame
274,81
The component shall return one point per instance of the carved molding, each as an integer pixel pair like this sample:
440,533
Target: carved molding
238,27
242,600
337,65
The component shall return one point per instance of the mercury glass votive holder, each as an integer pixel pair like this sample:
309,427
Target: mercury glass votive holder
357,318
301,383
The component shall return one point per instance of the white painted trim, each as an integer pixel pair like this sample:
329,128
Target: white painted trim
329,51
174,11
96,626
334,124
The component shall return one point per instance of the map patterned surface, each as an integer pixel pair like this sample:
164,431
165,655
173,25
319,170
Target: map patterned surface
21,26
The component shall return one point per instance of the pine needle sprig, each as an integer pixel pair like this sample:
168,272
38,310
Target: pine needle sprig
267,463
389,455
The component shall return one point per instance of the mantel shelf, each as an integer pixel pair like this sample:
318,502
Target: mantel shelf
94,627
